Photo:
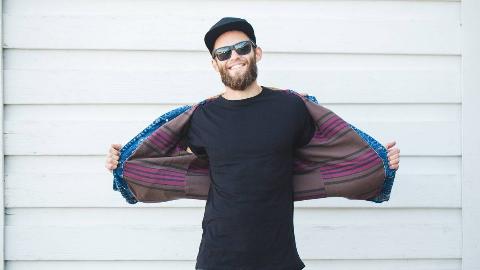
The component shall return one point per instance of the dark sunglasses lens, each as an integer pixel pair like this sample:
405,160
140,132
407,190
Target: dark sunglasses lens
243,48
223,54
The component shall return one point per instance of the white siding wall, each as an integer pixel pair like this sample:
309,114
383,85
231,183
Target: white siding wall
80,75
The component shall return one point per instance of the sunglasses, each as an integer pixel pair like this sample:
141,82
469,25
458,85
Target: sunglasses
242,48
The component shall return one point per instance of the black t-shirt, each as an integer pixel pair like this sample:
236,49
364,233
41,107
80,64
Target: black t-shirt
249,143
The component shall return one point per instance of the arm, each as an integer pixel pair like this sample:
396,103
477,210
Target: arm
340,160
127,151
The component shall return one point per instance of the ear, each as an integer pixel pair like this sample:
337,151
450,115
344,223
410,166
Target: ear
214,64
258,53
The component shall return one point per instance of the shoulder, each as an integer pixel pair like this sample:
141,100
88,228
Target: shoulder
200,110
207,101
289,92
299,95
292,96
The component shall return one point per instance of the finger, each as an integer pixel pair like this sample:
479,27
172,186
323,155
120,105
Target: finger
112,160
393,162
112,166
393,151
116,146
113,151
394,156
109,167
390,144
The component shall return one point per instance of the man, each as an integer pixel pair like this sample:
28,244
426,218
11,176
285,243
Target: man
249,135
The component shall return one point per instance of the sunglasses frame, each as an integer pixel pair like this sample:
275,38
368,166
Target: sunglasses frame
232,47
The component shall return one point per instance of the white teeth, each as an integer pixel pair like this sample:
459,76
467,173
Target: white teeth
237,66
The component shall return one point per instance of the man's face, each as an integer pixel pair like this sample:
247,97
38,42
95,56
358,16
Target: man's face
239,71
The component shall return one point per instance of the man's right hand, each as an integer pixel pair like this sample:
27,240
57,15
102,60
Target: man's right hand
113,156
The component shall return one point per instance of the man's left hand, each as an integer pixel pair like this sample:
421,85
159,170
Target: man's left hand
393,155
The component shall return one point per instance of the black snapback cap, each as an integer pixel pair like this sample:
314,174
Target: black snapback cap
227,24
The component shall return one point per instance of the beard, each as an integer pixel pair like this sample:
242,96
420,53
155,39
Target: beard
240,81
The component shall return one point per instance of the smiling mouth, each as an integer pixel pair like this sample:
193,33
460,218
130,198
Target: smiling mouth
237,66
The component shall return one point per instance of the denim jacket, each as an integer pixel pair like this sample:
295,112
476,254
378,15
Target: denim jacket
339,161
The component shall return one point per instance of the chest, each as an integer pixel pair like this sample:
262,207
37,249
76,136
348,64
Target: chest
249,132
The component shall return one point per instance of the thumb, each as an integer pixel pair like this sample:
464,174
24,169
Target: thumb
390,144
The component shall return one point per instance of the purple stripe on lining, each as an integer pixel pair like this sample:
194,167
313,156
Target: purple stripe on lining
335,130
348,163
322,137
366,165
300,165
153,170
161,138
156,175
331,140
330,121
158,142
158,138
324,128
156,181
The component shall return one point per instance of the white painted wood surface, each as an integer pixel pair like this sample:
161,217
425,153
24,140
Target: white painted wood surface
470,135
2,153
80,75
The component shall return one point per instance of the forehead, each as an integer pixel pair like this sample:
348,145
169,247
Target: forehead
230,38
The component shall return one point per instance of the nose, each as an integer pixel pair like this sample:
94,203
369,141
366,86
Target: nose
234,55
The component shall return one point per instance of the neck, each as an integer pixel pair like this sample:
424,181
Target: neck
251,90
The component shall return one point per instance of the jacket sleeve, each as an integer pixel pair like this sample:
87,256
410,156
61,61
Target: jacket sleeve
128,151
341,161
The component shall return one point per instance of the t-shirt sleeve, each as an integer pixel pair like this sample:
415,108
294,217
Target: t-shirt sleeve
307,128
